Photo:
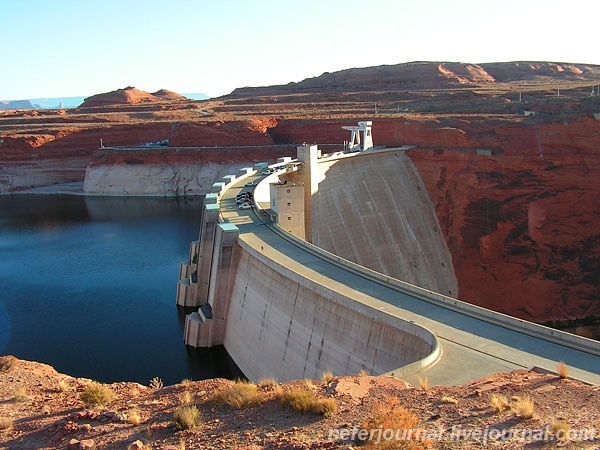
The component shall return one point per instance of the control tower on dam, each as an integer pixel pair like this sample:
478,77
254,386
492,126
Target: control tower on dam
336,262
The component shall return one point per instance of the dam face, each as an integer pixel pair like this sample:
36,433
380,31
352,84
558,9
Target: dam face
282,324
374,210
278,319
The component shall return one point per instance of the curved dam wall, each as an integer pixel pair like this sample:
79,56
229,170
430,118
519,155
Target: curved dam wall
374,210
282,324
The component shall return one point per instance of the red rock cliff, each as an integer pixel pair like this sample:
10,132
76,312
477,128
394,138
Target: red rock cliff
522,225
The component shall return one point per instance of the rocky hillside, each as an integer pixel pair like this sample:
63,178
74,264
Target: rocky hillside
432,76
43,409
130,96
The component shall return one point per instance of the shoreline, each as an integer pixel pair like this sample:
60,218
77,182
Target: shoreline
76,188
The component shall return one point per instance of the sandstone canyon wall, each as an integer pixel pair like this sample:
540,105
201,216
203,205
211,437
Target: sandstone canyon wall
60,154
171,170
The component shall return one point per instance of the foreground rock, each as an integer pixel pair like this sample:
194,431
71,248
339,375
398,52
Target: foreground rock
41,408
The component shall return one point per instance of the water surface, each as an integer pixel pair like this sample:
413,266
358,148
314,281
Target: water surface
87,284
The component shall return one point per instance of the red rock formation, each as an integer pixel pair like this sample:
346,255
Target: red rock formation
220,155
130,96
522,229
165,94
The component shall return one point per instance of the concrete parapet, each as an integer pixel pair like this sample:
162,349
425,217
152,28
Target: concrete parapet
260,166
228,179
217,187
245,171
211,198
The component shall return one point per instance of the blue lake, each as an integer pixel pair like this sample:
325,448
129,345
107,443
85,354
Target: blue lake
87,284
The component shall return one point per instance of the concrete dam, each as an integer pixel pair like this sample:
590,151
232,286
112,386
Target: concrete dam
340,265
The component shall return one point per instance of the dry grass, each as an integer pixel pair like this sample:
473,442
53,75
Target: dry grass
267,382
239,394
156,383
309,384
186,382
187,397
362,373
449,400
133,417
7,363
390,416
186,417
6,423
499,403
20,395
559,429
63,385
524,408
424,383
304,401
562,370
327,377
96,394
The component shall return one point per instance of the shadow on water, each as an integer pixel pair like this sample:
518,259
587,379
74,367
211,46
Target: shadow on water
88,286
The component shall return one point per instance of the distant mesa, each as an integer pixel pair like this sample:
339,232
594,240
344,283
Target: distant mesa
17,104
130,96
424,75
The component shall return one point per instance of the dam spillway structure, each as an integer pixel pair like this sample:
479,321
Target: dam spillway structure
340,266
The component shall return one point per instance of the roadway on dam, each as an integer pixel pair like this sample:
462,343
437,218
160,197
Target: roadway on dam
471,347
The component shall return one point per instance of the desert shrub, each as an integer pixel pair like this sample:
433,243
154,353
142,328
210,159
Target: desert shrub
6,423
239,394
327,377
186,382
308,384
524,408
7,363
187,417
62,385
424,383
391,416
156,383
499,403
96,394
304,401
133,417
562,370
559,429
267,382
186,397
20,395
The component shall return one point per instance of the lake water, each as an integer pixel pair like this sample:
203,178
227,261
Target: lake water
87,285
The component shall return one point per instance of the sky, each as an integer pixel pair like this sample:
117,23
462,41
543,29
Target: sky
61,48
